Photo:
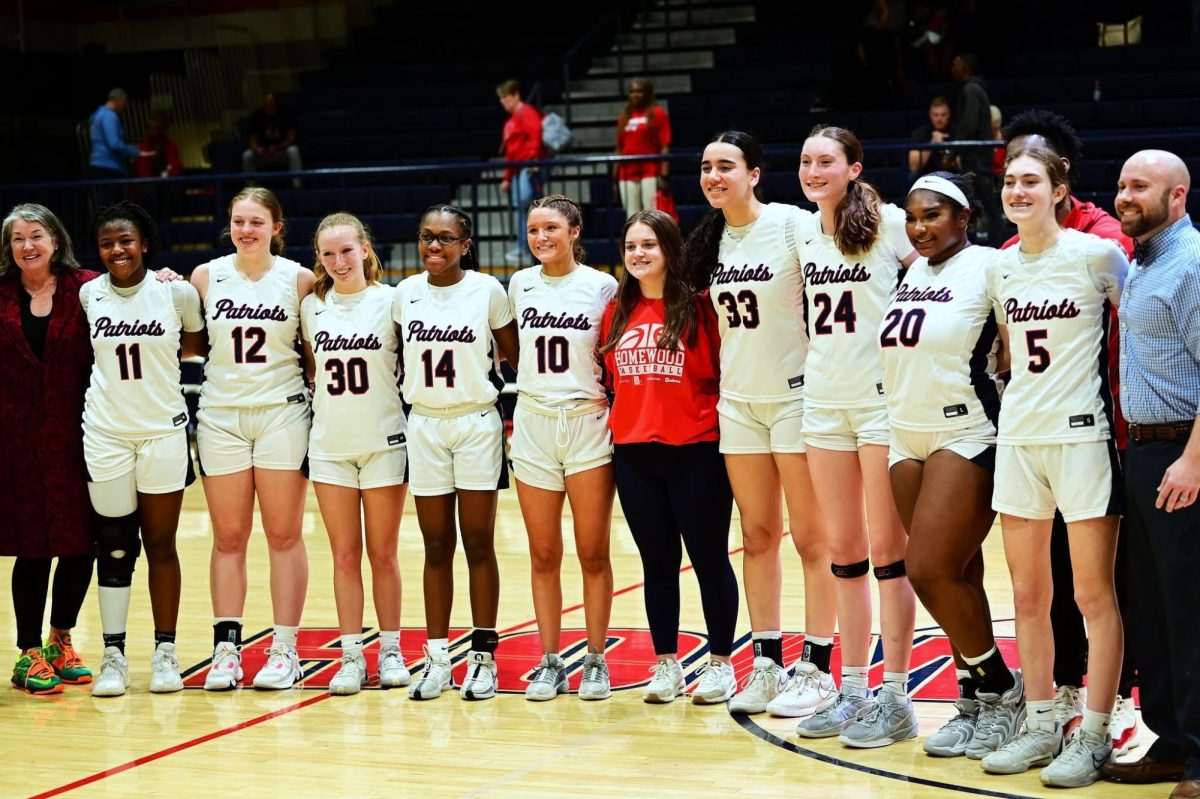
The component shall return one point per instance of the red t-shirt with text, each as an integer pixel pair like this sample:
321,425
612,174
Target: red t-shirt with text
646,132
663,396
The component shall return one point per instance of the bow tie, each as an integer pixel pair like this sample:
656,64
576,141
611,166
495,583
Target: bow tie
1141,251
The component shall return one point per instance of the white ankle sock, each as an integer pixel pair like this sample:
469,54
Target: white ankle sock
389,640
439,646
1040,714
352,645
895,683
286,635
854,678
1095,723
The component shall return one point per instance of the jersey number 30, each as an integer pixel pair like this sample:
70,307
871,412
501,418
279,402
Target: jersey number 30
350,374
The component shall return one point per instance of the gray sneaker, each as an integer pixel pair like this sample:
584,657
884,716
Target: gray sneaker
595,683
834,719
1080,762
891,719
548,680
1000,719
952,739
1030,748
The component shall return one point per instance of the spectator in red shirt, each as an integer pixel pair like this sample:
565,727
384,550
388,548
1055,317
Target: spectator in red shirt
643,128
164,159
520,141
661,359
1054,131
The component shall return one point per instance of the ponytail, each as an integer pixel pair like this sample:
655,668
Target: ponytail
857,218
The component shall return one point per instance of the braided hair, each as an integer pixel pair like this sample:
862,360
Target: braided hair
571,212
470,259
136,215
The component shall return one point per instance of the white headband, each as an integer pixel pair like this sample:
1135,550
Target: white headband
941,186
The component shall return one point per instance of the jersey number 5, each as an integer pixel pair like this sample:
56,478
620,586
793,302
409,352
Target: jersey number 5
248,343
1039,356
747,315
444,368
844,313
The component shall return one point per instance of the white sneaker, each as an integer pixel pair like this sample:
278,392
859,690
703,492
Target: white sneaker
114,674
351,677
164,670
392,671
1080,762
549,679
435,677
1068,708
717,684
765,682
952,739
666,684
1124,726
809,691
1030,748
226,670
595,682
282,669
480,682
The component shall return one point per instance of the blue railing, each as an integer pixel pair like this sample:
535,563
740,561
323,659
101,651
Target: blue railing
192,208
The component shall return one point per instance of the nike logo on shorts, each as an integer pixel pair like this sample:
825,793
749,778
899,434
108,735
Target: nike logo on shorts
418,299
530,288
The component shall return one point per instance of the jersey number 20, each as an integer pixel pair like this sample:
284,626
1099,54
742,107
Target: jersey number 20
909,324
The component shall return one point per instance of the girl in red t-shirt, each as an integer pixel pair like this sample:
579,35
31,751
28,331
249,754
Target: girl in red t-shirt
643,128
661,356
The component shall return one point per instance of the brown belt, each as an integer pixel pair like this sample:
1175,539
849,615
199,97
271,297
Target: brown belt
1170,431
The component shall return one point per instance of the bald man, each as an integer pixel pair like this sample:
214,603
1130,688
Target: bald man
1160,397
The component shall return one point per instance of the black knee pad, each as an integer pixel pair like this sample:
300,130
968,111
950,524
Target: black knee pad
890,571
850,570
117,548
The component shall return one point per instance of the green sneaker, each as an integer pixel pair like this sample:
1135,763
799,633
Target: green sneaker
34,675
66,662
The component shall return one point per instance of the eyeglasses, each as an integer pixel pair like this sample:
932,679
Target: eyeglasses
445,239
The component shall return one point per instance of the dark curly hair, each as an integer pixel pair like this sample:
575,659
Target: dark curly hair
1055,128
126,211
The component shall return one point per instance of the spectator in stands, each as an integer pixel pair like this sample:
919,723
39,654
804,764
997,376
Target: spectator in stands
973,122
998,155
521,141
1054,132
272,139
935,131
109,149
643,128
164,163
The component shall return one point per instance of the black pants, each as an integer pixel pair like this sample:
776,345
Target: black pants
1070,637
30,581
1164,564
667,492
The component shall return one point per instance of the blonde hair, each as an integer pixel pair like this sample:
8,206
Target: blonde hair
372,268
267,199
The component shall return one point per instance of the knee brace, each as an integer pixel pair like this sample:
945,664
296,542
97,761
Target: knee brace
851,570
890,571
117,548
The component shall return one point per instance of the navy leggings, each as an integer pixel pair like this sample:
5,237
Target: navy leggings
673,492
30,581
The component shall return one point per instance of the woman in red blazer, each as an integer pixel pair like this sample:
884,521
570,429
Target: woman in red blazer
45,359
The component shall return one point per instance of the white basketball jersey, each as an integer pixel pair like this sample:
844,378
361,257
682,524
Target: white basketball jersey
135,391
937,338
758,293
559,325
356,398
449,354
252,332
846,296
1056,307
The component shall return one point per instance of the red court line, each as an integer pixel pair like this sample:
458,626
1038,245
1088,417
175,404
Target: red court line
283,711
